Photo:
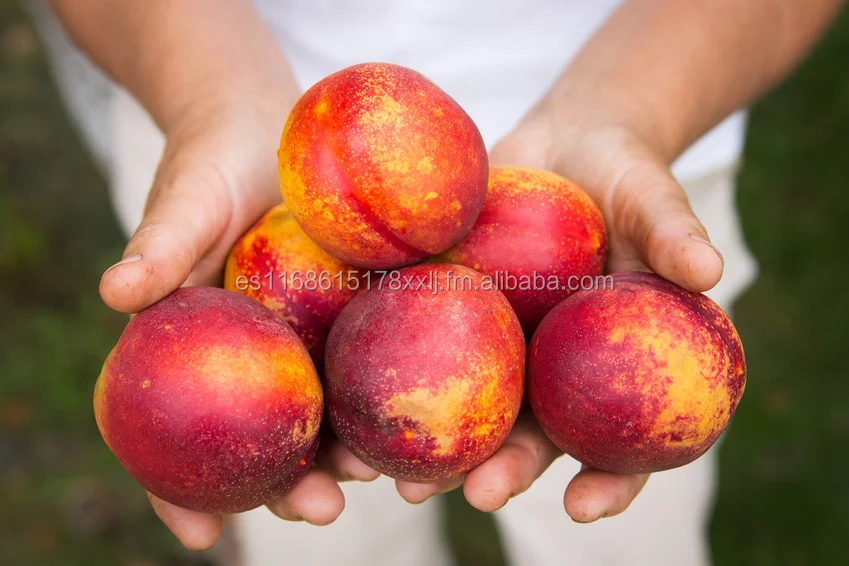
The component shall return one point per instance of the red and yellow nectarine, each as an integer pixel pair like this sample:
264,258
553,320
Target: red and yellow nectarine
641,378
278,265
380,167
424,382
538,227
210,401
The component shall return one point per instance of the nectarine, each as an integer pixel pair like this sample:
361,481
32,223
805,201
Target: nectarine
210,401
640,378
380,167
278,265
424,379
538,231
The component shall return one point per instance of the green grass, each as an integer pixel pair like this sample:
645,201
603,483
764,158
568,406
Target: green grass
784,497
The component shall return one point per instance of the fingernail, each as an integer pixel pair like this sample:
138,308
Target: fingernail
286,514
125,261
702,240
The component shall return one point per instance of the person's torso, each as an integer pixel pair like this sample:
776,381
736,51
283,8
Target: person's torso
495,57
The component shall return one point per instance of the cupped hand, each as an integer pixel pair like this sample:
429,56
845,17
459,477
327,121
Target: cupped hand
216,178
651,227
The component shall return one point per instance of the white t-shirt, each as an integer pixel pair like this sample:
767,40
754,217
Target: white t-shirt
495,57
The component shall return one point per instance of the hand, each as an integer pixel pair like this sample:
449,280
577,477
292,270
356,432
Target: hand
217,176
651,227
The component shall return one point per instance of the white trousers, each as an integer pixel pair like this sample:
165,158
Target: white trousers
666,524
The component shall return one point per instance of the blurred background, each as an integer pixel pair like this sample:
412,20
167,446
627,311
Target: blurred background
784,488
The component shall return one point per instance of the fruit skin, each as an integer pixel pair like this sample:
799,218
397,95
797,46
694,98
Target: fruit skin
423,386
210,401
277,245
638,379
380,167
534,223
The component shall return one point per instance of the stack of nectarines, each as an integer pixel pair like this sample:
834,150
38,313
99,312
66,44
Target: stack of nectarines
212,399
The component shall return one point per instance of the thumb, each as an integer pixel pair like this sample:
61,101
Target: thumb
652,211
186,214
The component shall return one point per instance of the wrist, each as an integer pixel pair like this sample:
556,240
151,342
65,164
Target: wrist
577,113
259,99
198,59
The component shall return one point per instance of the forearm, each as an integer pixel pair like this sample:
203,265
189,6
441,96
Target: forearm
671,70
183,56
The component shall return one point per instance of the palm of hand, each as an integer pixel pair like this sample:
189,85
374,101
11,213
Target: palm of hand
216,178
